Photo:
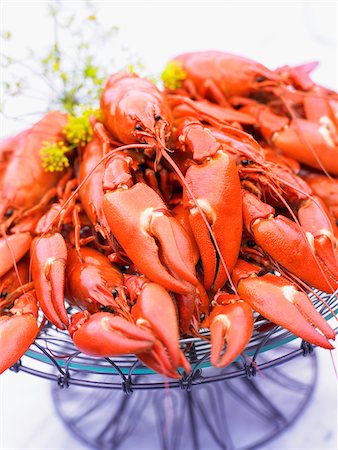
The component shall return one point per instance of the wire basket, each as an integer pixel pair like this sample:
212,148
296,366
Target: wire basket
53,356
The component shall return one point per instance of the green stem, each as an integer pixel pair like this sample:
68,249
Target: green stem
20,63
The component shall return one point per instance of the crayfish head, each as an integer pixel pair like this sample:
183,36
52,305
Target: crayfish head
142,117
252,77
260,77
234,75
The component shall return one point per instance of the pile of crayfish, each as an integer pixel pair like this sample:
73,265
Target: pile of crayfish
189,207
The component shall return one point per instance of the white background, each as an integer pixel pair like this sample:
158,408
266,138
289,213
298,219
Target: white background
274,33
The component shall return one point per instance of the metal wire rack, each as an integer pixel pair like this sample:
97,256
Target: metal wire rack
53,356
237,413
208,408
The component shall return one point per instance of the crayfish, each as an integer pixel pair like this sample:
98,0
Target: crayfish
195,206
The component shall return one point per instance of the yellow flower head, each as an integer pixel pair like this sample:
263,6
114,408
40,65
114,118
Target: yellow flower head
78,130
173,75
53,156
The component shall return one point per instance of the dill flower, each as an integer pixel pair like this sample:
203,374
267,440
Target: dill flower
78,130
173,75
53,156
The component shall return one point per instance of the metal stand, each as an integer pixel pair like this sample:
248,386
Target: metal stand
240,413
129,406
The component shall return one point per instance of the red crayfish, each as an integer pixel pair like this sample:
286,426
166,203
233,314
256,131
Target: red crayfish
189,207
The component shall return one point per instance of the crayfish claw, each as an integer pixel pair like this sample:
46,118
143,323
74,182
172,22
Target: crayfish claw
138,212
305,307
232,323
12,249
105,335
155,310
278,300
18,330
176,248
49,256
215,186
157,359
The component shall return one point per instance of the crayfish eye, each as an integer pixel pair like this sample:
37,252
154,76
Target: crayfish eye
247,162
85,232
251,244
260,79
9,213
114,292
158,117
138,127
